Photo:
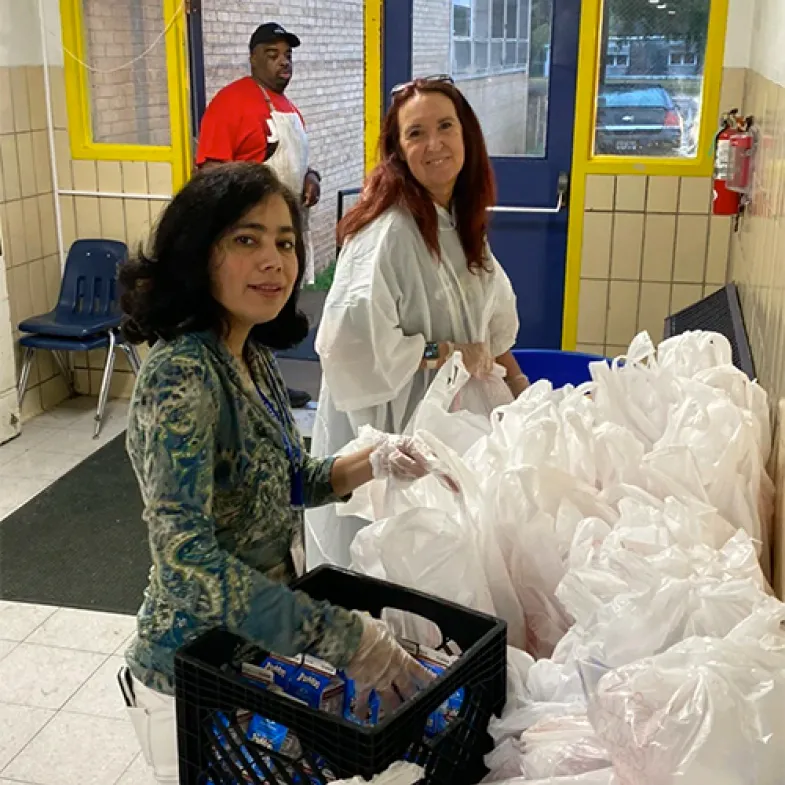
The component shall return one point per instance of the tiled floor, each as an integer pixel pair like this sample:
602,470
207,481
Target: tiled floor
50,445
61,715
62,720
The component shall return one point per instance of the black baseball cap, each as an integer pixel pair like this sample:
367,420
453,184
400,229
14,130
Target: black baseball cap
271,32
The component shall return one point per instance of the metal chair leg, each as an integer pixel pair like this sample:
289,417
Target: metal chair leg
104,394
24,376
65,370
133,357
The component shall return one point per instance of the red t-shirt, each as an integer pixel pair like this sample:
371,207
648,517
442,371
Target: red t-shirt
234,126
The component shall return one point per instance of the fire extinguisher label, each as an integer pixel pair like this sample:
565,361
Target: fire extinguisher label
722,160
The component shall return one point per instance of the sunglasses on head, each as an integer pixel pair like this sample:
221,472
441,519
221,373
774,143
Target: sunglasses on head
442,78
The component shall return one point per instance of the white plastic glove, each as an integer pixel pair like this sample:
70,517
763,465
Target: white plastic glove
381,663
476,358
401,457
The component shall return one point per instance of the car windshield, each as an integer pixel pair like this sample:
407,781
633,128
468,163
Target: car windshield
633,97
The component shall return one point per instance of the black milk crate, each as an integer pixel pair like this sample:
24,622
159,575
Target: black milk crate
212,694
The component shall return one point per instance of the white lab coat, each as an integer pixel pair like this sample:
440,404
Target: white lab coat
390,296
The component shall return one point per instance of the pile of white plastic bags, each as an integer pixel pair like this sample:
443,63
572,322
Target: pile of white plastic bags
621,529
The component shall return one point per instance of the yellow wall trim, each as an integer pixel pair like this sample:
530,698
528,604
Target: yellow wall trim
373,16
700,166
584,162
78,95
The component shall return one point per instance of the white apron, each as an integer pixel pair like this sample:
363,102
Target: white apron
290,164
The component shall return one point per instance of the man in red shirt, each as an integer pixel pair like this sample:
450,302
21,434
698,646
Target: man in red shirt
252,120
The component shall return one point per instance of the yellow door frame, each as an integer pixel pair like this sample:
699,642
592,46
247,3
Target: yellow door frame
83,146
373,21
584,162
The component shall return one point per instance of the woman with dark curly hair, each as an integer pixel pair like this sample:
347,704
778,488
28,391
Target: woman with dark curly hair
221,466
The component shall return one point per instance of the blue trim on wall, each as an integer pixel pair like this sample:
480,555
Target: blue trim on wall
196,64
398,44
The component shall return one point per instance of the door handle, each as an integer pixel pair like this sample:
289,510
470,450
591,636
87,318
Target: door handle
562,187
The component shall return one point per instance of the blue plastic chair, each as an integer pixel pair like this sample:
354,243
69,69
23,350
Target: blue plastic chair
87,316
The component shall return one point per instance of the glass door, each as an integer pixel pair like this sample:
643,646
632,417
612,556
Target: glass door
516,63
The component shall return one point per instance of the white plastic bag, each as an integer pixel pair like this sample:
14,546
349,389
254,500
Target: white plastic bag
483,396
457,408
399,773
709,710
563,746
601,777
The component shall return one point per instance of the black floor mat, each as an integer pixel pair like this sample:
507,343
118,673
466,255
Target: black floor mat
82,542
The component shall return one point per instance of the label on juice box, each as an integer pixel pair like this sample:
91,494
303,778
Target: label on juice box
318,687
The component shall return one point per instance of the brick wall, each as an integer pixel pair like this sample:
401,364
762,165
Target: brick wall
327,85
431,37
129,105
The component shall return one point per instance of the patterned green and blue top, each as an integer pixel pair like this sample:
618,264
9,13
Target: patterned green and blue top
215,482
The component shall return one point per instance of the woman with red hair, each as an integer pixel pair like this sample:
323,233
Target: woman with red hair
415,282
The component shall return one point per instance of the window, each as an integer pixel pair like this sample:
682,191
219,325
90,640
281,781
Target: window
618,61
682,58
651,81
461,19
489,36
125,82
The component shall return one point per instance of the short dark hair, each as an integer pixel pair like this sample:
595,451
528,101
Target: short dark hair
167,290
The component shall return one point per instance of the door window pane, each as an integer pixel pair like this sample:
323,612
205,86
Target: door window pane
497,54
462,57
480,58
497,25
511,23
128,82
481,14
461,18
651,78
508,43
522,54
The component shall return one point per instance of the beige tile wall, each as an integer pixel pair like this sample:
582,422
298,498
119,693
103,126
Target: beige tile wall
27,211
127,220
650,248
28,222
758,267
758,250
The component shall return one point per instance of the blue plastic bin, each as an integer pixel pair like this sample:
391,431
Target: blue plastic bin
558,367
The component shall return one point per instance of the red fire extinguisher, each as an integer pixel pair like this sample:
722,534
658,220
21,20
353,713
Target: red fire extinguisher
726,202
733,150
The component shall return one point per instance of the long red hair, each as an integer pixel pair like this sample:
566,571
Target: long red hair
391,182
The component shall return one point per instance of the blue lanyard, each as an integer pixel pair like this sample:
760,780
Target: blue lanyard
281,415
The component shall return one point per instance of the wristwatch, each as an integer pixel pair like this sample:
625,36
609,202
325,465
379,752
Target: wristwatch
431,355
